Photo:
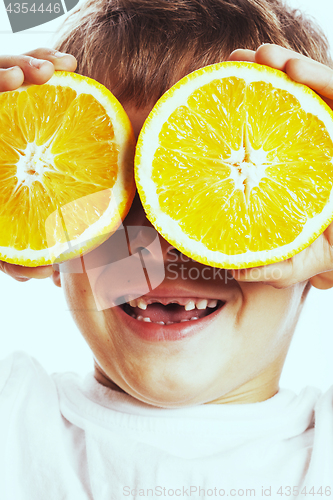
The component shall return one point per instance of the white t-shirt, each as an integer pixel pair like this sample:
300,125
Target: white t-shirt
62,438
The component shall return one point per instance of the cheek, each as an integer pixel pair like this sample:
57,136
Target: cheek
82,305
269,315
77,291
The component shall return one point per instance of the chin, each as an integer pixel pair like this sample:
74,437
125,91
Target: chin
163,385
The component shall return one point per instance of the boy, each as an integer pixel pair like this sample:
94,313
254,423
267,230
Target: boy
201,416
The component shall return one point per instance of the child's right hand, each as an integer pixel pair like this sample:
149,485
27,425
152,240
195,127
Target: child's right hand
35,67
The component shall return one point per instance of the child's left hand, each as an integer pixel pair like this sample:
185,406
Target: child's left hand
315,263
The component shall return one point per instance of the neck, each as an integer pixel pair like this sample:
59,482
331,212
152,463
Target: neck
259,389
103,379
262,387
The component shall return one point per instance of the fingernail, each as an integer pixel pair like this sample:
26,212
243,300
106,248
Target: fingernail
59,54
22,278
35,63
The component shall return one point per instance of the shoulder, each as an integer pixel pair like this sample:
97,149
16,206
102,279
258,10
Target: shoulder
24,381
36,443
16,364
324,404
323,418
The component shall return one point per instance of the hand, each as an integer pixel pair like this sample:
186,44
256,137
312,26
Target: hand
315,263
35,67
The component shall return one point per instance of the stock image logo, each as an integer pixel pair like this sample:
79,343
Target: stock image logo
127,265
29,14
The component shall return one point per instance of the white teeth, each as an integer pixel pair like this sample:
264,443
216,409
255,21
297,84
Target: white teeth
142,304
199,304
212,303
190,305
147,320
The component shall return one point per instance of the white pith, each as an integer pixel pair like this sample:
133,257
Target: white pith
250,166
247,166
35,161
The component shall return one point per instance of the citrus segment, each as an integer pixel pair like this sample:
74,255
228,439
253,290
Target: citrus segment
11,133
66,169
234,165
210,103
40,111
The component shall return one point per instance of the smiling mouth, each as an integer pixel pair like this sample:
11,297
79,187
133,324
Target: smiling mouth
169,311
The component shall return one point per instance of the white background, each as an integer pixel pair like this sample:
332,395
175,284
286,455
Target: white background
36,319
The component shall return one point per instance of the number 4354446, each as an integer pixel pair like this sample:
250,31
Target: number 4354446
312,492
23,8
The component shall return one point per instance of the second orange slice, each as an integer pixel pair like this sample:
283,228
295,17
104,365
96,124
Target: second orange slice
234,165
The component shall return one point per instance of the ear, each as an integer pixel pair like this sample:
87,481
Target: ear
56,278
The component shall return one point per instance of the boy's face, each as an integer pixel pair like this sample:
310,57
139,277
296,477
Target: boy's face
232,353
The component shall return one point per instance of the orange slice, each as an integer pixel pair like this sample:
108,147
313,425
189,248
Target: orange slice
66,169
234,165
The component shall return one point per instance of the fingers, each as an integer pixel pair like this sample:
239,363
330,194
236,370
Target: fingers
314,263
21,273
276,56
35,67
11,78
316,76
279,275
60,61
56,278
300,68
33,70
323,281
242,55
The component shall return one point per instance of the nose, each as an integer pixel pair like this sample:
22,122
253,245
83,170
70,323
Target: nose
136,215
143,236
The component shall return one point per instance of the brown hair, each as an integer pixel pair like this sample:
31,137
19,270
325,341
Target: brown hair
139,48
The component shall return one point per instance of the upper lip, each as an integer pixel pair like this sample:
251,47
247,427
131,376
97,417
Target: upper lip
167,292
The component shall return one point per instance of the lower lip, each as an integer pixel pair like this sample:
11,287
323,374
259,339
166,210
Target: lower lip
161,333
